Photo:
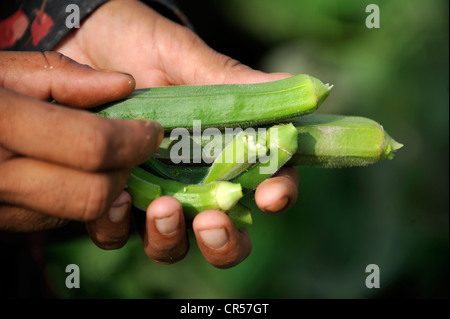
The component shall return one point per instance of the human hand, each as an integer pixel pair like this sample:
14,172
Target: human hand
58,163
127,35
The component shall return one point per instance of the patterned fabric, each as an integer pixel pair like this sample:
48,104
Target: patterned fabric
30,25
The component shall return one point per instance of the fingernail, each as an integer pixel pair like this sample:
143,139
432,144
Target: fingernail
168,224
278,206
214,238
119,208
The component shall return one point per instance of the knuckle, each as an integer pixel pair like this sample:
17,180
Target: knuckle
95,203
55,58
232,64
56,222
230,67
95,147
46,222
25,220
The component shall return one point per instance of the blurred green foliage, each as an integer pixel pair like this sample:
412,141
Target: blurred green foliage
393,214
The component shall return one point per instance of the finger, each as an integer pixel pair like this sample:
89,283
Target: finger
166,240
58,190
62,79
195,63
278,193
19,219
179,56
5,154
222,245
111,230
74,138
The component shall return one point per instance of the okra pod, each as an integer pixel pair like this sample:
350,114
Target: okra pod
240,215
279,140
236,157
341,141
323,141
145,187
282,144
221,105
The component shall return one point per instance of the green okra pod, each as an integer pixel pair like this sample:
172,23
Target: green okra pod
341,141
240,215
282,144
145,187
181,173
279,140
221,105
323,141
236,157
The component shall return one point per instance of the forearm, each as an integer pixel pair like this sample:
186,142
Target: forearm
41,25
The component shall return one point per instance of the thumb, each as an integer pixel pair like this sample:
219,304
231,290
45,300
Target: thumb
196,64
51,75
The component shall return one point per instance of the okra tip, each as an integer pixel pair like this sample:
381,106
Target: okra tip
321,90
390,147
227,195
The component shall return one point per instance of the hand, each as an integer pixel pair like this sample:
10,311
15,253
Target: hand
59,163
130,37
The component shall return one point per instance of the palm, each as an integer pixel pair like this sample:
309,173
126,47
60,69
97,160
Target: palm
130,37
123,45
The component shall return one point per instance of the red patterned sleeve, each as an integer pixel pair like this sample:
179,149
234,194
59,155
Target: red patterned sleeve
39,25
